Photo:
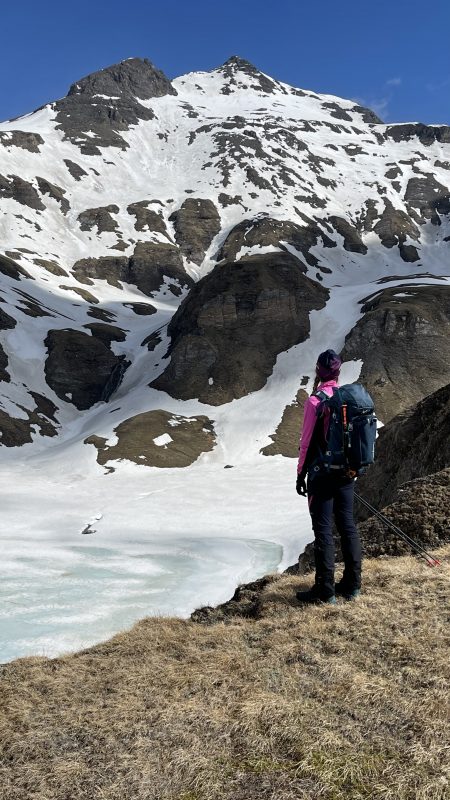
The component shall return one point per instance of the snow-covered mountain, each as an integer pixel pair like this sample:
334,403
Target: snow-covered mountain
173,256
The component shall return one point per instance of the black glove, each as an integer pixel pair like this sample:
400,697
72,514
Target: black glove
301,484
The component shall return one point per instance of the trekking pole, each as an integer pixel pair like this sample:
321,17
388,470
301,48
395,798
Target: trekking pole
431,561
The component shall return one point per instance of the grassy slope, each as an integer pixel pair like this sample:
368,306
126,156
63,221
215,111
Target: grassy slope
344,702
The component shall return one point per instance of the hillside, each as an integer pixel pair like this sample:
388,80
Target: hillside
343,702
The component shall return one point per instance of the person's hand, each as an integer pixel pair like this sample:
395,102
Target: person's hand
301,484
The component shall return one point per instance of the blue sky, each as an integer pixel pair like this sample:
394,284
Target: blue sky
392,55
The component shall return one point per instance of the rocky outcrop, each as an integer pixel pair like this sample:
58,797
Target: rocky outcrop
80,368
393,228
147,219
106,333
4,374
17,431
100,218
75,170
196,224
158,439
403,338
263,231
23,139
23,192
244,75
151,264
426,134
226,335
141,309
12,269
413,444
107,102
428,198
45,187
352,239
6,321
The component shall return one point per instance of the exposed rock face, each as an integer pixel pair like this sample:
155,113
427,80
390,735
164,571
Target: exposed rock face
75,170
16,431
414,444
404,342
4,374
146,218
426,134
24,139
111,269
196,224
227,333
420,509
242,74
286,437
23,192
80,368
158,439
50,266
148,267
352,239
45,187
6,321
264,231
100,218
429,197
393,227
107,102
12,269
152,262
141,309
106,333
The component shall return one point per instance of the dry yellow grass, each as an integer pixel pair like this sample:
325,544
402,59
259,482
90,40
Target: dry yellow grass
326,702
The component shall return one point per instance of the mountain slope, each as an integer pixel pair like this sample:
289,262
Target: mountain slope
173,256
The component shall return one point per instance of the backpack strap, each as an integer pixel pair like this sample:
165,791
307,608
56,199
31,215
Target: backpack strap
323,396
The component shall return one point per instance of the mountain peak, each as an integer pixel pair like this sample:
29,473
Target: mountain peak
238,71
137,77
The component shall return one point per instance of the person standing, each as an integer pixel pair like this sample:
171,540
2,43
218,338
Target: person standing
329,494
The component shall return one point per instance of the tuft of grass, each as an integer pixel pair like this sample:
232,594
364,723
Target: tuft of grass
336,703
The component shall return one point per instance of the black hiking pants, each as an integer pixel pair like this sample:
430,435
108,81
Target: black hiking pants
328,496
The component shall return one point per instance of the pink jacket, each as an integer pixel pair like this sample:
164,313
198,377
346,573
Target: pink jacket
309,420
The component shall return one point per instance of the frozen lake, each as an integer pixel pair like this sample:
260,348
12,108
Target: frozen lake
164,542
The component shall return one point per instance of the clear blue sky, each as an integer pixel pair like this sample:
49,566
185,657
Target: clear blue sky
393,55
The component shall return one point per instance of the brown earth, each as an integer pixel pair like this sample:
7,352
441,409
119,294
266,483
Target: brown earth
191,436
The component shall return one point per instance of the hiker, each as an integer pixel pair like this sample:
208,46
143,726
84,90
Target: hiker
328,493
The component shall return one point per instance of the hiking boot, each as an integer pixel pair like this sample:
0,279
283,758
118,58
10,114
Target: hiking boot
344,591
312,596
